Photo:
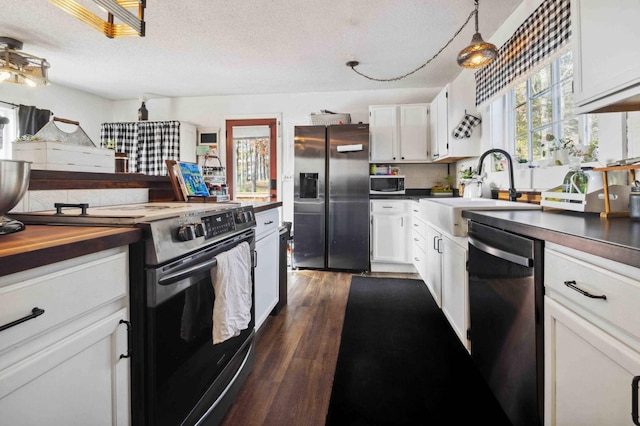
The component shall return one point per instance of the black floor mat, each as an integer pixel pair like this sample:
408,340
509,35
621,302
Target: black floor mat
400,363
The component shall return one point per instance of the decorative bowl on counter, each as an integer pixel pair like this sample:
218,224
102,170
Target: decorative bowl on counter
14,181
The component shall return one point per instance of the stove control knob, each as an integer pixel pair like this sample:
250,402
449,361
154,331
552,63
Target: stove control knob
187,233
199,230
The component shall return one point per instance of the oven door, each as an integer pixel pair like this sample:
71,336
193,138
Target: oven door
186,374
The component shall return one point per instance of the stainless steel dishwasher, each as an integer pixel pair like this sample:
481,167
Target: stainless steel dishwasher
506,319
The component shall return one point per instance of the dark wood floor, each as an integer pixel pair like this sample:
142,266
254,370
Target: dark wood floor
296,354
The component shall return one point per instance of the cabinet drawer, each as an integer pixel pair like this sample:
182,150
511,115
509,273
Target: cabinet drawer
597,278
64,290
390,206
267,221
419,227
419,240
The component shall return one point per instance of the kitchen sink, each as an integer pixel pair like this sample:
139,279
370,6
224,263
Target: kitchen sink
446,213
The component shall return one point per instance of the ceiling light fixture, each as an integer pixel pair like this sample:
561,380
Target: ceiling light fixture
479,53
19,67
353,64
132,25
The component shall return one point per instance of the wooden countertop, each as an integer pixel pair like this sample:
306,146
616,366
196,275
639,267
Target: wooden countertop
39,245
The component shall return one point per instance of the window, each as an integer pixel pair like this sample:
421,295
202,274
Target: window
8,131
543,105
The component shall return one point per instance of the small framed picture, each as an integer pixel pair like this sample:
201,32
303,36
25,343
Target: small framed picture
208,136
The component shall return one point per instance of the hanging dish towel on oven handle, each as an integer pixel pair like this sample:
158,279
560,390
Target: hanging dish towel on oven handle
232,291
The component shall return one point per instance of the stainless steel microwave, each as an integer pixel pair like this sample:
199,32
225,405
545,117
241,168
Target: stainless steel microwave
386,184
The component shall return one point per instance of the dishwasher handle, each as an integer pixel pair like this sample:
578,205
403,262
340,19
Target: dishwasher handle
502,254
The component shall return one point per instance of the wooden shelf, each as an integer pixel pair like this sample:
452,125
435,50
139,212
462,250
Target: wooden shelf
631,168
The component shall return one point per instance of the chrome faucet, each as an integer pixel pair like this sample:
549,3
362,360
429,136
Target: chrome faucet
513,195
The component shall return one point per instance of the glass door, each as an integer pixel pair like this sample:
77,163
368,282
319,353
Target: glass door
251,159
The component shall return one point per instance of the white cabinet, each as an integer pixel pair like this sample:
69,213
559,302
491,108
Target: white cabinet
448,108
455,285
65,366
439,125
391,247
606,30
446,278
419,236
592,344
434,263
267,266
399,133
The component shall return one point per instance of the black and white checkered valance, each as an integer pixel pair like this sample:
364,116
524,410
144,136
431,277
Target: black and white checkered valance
147,144
544,32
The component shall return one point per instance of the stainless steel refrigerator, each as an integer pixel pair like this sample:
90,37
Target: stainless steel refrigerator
331,197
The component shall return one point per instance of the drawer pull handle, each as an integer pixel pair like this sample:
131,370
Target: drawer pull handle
128,324
35,312
572,284
268,223
634,400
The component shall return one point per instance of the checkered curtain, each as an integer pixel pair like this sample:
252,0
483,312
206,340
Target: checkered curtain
147,143
544,32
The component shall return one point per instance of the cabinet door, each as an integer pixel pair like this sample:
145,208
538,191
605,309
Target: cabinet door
414,132
266,276
434,262
588,373
79,380
455,287
610,27
443,123
390,238
433,131
383,131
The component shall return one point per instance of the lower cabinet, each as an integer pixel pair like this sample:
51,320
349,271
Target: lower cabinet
592,339
446,278
391,235
589,374
266,270
69,364
455,286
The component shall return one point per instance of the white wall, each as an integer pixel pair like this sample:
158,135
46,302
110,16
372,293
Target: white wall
89,110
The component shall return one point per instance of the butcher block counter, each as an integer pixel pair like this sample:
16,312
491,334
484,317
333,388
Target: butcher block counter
39,245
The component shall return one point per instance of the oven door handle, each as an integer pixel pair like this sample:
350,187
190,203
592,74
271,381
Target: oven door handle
187,272
494,251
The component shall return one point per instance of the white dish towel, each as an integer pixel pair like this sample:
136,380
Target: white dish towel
232,289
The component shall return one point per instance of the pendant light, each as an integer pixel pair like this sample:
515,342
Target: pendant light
479,53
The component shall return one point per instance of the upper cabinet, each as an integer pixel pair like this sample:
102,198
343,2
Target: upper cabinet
439,125
448,109
606,66
399,133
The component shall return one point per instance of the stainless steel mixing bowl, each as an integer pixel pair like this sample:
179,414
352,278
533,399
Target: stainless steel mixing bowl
14,181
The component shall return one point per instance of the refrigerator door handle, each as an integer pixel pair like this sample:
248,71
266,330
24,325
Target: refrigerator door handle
350,148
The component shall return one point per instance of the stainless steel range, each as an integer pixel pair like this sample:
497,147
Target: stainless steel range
179,376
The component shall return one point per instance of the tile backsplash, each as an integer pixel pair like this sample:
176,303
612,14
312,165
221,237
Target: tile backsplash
34,201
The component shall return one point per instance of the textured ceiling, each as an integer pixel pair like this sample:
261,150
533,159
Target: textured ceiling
216,47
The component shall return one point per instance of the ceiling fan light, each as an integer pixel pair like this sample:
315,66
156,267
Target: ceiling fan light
19,67
478,54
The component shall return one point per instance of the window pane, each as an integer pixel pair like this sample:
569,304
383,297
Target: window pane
521,120
592,127
541,110
521,93
541,80
566,65
566,100
522,147
537,139
252,172
570,130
